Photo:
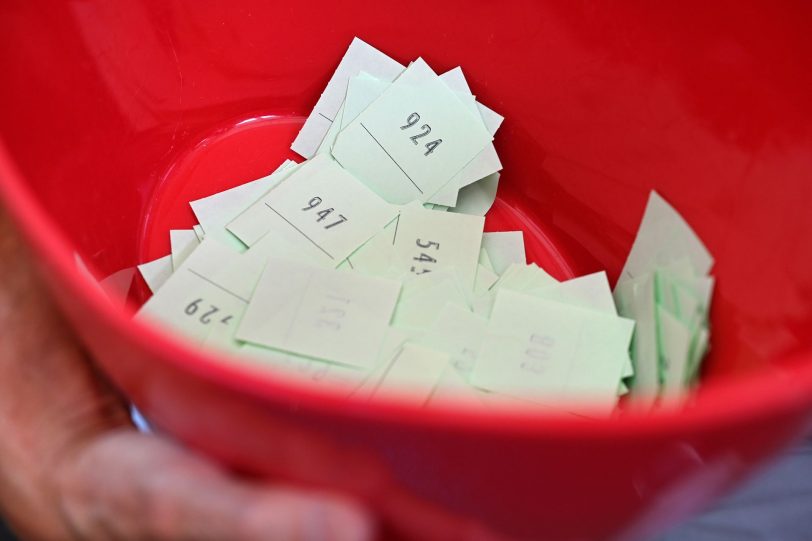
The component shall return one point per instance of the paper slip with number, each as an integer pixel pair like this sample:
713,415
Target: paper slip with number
328,314
427,241
664,236
483,164
359,57
210,290
413,139
320,210
216,211
592,292
550,352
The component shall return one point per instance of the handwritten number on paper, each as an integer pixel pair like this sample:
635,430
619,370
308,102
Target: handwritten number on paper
412,121
332,312
538,353
323,213
206,317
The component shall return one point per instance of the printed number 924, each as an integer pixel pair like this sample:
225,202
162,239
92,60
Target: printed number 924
411,121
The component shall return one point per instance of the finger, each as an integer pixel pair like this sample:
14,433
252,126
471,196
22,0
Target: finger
130,487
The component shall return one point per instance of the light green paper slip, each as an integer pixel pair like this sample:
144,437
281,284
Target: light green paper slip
504,248
523,278
664,236
592,292
485,279
329,140
549,352
459,333
414,370
411,140
483,164
675,350
359,57
424,296
485,259
321,210
182,243
427,241
635,299
323,313
156,272
477,198
209,290
311,370
216,211
199,233
362,91
377,255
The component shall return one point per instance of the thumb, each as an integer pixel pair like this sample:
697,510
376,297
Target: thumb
131,486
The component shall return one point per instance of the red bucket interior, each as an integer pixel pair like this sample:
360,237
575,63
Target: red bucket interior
117,114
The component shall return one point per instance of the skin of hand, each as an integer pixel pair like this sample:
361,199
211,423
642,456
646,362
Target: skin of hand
73,467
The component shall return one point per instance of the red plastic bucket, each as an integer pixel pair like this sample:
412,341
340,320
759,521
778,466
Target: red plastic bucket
114,115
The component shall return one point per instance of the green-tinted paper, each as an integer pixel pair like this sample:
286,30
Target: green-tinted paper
428,241
424,296
664,236
411,140
216,211
208,291
477,198
156,272
182,242
321,211
414,370
549,352
504,248
323,313
359,57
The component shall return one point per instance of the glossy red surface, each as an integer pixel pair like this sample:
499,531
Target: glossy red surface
113,115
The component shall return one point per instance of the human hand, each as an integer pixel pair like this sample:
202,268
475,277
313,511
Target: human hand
72,466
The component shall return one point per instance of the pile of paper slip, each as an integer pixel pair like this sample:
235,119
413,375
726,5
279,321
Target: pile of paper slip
366,266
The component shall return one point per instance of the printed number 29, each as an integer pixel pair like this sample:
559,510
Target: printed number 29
411,121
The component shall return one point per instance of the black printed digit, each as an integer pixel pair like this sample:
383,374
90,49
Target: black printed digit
426,130
314,202
429,244
431,146
206,318
412,119
192,307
